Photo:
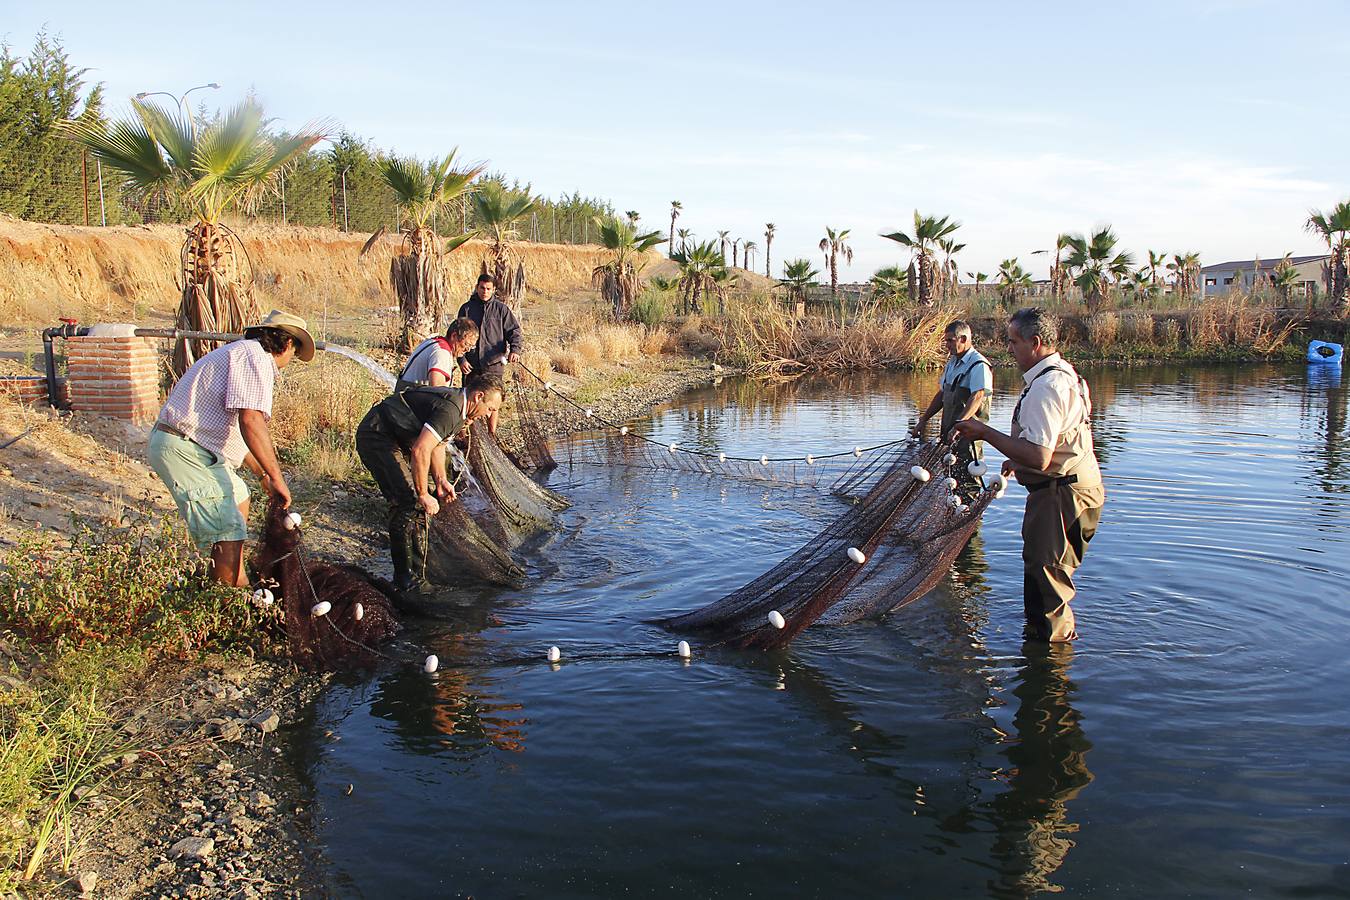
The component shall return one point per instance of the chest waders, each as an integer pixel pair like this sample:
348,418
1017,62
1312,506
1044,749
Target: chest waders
1061,518
955,398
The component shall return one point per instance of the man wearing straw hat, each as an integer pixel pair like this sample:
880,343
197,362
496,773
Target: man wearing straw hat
215,420
1050,451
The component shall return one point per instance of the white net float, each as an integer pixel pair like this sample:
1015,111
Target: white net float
949,459
263,597
358,612
919,473
857,555
321,608
776,619
977,468
292,521
683,650
554,654
431,665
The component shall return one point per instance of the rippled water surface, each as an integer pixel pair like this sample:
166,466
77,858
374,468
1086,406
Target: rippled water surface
1193,743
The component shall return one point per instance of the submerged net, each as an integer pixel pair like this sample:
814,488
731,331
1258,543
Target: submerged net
908,531
338,638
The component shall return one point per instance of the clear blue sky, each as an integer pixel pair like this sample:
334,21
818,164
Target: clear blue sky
1211,125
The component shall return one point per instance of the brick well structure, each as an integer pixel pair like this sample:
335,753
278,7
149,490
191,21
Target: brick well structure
113,376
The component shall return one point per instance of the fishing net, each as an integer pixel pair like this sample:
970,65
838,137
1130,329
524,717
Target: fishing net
360,614
908,529
523,506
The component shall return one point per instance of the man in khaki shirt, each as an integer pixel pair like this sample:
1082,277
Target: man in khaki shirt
1050,452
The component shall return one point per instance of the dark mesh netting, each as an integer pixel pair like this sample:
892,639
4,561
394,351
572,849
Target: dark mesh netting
337,638
908,530
530,399
524,506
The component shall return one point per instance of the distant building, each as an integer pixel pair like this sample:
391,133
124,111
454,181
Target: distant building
1221,278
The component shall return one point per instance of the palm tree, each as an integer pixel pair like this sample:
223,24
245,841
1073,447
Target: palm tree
684,234
497,211
620,279
769,229
1156,261
1011,278
675,207
1284,278
210,168
797,275
1095,264
949,274
833,245
734,248
1333,226
1185,269
703,270
415,274
1140,282
747,251
979,278
889,284
722,236
928,230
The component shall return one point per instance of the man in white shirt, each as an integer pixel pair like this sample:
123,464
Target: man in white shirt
435,361
1050,452
217,419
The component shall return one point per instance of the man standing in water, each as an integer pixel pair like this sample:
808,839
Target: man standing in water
499,337
967,383
1050,451
402,442
215,420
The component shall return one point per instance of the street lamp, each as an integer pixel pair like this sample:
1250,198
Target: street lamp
181,100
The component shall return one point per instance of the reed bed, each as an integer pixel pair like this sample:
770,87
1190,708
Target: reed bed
762,336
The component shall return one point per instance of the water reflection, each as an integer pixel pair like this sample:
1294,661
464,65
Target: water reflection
1325,407
1047,768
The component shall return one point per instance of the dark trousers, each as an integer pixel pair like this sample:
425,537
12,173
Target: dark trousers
1059,522
385,459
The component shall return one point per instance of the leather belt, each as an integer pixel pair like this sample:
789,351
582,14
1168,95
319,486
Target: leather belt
1066,480
169,429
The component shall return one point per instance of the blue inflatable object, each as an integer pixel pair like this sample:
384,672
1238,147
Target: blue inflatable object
1324,352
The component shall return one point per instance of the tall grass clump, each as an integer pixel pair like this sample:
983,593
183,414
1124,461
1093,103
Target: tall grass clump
1230,322
1137,328
652,306
1102,330
654,340
621,342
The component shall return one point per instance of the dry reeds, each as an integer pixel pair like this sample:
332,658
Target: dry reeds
1102,330
654,341
765,337
621,342
315,411
1137,328
1229,321
567,361
590,348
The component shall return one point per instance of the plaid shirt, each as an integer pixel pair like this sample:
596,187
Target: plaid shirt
205,403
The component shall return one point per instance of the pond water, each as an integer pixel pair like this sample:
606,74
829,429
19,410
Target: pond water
1192,743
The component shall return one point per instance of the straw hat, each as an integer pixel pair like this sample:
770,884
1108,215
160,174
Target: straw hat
295,327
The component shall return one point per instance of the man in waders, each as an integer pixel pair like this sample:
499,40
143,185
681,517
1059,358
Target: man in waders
1050,451
967,383
217,419
402,442
435,361
499,336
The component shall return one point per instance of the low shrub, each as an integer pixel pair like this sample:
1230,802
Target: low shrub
654,341
621,342
589,347
139,584
651,307
567,361
1137,328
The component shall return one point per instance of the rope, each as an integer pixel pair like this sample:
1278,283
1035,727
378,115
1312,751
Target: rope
857,451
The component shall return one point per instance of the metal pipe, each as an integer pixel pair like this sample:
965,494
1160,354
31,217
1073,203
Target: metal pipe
176,334
66,329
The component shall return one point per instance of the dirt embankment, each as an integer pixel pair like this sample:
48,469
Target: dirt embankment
130,273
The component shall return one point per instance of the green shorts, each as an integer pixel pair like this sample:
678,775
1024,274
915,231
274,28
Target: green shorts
207,491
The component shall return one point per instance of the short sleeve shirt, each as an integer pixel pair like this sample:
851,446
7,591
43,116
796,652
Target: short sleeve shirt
1054,402
205,403
432,355
439,410
970,370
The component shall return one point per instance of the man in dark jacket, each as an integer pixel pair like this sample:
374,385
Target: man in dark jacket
499,337
402,442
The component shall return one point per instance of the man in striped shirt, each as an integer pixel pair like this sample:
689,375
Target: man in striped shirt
215,420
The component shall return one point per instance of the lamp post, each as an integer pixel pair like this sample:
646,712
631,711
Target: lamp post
181,100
